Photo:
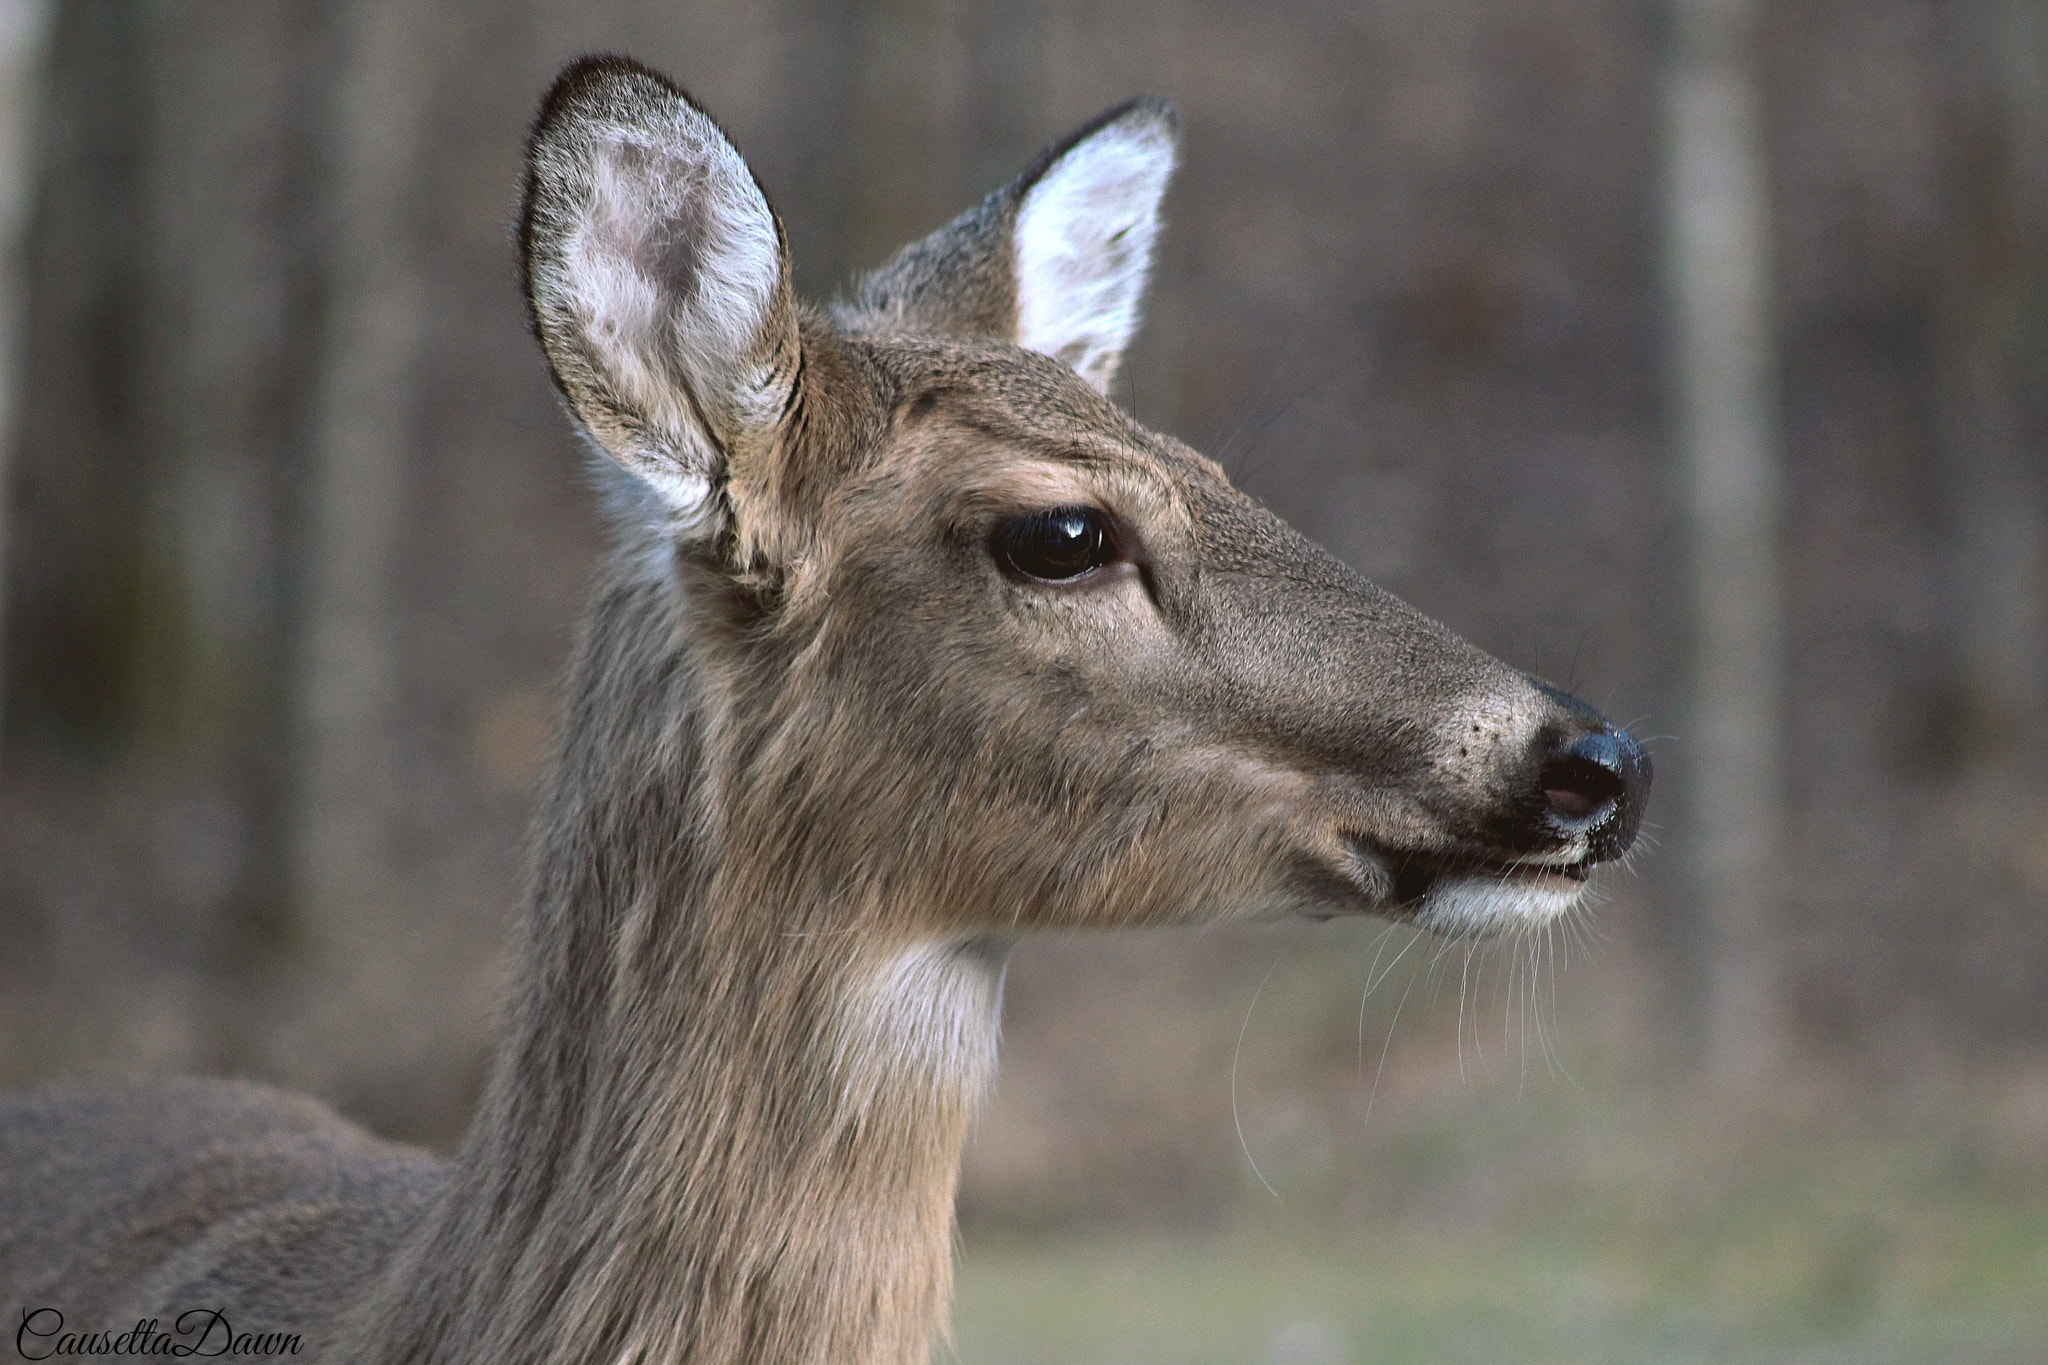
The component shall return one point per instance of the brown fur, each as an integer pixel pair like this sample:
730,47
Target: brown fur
823,757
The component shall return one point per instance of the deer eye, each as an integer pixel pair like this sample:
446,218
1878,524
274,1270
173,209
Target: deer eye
1056,546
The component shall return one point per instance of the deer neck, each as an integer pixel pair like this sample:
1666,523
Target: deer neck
709,1136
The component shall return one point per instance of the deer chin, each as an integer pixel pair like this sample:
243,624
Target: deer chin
1475,904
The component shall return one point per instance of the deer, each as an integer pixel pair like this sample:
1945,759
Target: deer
910,643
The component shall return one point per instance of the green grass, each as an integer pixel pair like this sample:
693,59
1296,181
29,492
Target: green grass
1642,1230
1784,1296
1449,1192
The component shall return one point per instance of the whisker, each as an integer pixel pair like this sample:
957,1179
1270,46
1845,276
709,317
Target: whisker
1243,1029
1280,411
1225,452
1372,982
1525,966
1464,974
1373,1094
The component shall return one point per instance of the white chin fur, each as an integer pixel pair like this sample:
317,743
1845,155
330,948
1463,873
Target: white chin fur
1488,905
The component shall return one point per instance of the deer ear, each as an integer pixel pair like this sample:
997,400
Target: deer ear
1084,235
1055,261
658,280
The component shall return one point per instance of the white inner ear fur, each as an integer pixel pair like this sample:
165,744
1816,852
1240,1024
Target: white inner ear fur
1085,234
672,276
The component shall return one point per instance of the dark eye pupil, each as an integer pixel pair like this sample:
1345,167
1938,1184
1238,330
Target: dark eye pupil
1058,545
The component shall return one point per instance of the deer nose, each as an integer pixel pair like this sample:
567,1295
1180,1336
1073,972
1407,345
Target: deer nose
1595,783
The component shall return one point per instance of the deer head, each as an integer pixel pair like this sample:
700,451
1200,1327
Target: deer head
975,652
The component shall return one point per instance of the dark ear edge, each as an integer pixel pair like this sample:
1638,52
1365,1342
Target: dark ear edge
1161,110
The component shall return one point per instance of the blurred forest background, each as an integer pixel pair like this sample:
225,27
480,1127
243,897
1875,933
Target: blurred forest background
295,539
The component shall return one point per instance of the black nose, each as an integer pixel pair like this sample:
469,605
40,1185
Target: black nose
1595,783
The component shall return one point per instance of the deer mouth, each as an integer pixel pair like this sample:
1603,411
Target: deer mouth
1415,877
1477,893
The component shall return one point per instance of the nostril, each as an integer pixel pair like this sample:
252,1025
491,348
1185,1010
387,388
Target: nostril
1585,778
1593,783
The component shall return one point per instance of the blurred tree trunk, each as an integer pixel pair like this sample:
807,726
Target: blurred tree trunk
228,844
217,420
160,413
1718,285
1993,309
1006,121
819,88
21,58
356,989
900,97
